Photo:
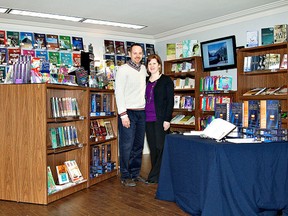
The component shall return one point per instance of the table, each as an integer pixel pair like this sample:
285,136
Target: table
224,179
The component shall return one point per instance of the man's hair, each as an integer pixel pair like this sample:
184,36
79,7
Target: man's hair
135,44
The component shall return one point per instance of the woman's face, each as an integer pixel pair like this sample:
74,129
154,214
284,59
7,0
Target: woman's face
153,66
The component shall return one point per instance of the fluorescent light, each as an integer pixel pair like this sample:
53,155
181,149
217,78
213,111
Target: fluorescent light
3,10
123,25
43,15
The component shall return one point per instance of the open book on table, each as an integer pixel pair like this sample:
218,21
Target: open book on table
218,129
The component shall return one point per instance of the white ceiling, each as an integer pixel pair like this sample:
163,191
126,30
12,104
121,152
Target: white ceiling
160,16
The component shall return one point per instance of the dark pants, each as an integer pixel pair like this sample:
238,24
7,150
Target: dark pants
155,135
131,142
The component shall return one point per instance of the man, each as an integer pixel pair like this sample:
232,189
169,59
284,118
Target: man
130,84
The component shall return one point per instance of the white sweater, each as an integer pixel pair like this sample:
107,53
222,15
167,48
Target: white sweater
130,88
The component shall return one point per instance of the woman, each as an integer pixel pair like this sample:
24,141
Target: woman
158,108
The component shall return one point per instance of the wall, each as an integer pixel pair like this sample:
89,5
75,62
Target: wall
237,27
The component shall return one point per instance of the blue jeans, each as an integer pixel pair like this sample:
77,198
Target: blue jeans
131,142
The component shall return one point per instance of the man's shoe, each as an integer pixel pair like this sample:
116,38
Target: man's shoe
149,182
139,179
128,182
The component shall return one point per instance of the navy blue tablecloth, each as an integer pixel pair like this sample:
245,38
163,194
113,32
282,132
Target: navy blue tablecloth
224,179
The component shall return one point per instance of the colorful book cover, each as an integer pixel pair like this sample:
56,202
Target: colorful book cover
222,111
13,38
77,43
253,114
280,33
62,174
65,42
54,58
76,57
2,38
66,59
28,52
270,114
120,60
2,74
252,39
267,35
13,55
236,113
187,47
128,47
74,171
42,54
26,40
40,41
51,183
3,55
120,48
196,51
150,49
52,42
274,61
170,51
109,47
179,50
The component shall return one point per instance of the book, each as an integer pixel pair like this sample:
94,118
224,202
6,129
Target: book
283,64
196,51
185,119
62,174
280,33
252,114
13,55
109,47
120,60
28,52
282,91
236,113
54,58
177,101
270,114
74,171
2,38
50,182
187,47
170,51
52,42
178,50
120,48
252,39
2,73
13,39
222,111
109,129
76,57
150,50
26,40
42,54
77,43
65,42
267,35
274,61
217,129
190,121
66,59
255,91
3,56
40,41
270,91
177,118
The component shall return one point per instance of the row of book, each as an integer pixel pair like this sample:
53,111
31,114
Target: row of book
31,40
101,129
183,119
269,35
68,174
183,49
280,90
64,107
101,105
101,161
184,102
216,83
185,83
270,61
182,67
58,58
208,103
63,136
122,48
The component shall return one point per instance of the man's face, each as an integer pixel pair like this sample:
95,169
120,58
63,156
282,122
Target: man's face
136,54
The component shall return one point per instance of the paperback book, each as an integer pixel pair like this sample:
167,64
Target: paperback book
40,41
150,49
179,50
252,39
54,58
267,35
51,183
26,40
52,42
120,48
170,51
62,174
76,57
74,171
66,59
270,114
13,55
42,54
280,33
77,44
3,56
13,39
28,52
109,47
65,42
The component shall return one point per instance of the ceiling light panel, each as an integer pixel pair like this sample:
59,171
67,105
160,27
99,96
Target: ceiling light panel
3,10
123,25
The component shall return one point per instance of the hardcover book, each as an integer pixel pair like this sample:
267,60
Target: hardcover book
26,40
280,33
62,174
252,39
267,35
222,111
65,42
2,38
120,48
77,44
253,113
13,39
270,114
52,42
40,41
109,47
236,114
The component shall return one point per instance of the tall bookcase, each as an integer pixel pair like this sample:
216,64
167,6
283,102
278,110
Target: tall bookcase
196,72
104,111
264,77
26,146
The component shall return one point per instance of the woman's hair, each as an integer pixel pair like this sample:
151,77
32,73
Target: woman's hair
158,59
